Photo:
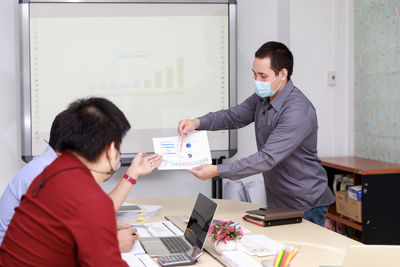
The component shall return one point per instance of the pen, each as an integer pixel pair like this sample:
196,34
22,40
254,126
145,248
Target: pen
282,255
292,255
278,259
183,134
284,258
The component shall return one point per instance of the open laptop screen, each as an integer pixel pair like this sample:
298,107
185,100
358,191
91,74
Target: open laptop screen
200,220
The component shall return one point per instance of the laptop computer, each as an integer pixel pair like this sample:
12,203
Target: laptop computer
194,236
372,256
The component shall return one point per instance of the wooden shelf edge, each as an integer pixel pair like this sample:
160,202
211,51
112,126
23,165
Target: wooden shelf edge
332,214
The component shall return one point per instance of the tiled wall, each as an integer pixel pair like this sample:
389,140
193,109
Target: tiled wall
377,79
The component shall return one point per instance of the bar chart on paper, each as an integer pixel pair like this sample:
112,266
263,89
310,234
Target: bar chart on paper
195,151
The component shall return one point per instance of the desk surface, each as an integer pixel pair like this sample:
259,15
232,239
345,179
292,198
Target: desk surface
317,245
360,165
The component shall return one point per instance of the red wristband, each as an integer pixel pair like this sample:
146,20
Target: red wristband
129,179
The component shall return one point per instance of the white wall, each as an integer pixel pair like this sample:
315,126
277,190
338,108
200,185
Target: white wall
10,145
320,39
310,29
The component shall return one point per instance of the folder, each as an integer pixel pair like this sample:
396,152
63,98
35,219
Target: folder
273,216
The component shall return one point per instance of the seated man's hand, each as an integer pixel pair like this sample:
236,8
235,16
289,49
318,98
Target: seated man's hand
126,238
142,165
205,171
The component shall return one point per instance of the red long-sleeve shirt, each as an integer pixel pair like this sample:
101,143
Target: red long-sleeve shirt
70,222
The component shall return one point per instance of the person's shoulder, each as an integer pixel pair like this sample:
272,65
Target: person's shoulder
33,168
297,99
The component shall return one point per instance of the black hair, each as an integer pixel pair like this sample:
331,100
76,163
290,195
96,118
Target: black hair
90,125
55,132
280,56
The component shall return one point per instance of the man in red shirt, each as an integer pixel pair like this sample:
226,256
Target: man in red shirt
65,218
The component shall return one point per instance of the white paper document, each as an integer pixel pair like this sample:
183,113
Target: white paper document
165,228
260,245
137,257
140,260
195,151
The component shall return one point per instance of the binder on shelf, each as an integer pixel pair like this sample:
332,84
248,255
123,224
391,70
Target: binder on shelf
273,216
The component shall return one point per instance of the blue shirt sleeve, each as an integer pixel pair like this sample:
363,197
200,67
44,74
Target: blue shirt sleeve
18,186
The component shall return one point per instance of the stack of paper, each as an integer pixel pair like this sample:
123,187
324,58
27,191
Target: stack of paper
129,211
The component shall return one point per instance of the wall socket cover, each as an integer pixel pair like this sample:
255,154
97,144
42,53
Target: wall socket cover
331,78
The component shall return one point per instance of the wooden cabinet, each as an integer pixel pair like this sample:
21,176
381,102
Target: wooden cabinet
380,197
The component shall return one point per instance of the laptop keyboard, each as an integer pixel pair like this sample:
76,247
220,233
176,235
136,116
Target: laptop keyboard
175,244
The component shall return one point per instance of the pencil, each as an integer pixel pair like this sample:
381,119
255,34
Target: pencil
183,134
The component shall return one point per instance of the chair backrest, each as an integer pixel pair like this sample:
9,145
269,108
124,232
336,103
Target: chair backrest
372,256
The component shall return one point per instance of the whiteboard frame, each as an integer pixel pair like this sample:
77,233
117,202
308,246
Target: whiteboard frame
25,65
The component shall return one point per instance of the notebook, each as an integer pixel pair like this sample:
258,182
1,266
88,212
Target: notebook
194,236
274,216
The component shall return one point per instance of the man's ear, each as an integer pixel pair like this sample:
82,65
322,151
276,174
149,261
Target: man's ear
110,150
283,74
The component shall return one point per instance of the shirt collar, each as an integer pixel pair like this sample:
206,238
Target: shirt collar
280,98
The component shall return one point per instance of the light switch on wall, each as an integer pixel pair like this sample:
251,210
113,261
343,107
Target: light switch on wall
331,78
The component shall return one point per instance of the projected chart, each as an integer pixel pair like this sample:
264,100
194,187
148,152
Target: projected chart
195,151
139,74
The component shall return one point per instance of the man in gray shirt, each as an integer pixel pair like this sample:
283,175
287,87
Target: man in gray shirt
286,128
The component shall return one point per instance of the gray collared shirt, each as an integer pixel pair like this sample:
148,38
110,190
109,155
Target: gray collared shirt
286,135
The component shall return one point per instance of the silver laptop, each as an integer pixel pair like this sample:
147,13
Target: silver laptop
194,237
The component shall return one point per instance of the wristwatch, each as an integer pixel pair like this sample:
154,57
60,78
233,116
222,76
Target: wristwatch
129,179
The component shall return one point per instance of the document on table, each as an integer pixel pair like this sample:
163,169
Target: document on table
137,257
195,151
141,260
165,228
260,245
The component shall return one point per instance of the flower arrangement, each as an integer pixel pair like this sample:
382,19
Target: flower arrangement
224,231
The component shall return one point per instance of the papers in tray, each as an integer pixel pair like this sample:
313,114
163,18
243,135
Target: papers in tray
260,245
195,151
129,211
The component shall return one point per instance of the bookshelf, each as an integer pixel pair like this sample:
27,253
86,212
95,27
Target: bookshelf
380,197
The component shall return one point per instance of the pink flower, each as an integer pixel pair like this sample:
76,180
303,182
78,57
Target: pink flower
224,232
228,222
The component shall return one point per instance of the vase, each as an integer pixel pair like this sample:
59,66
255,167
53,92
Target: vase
229,245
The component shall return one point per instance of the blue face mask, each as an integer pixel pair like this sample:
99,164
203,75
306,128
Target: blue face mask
263,89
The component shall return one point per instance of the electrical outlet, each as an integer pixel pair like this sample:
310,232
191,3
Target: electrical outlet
331,78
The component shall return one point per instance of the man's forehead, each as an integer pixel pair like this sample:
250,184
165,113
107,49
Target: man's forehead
261,64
